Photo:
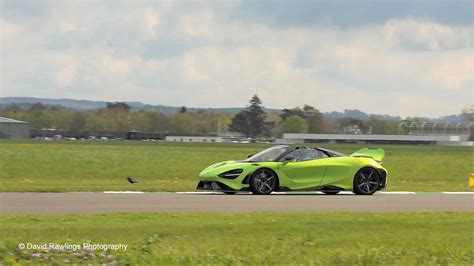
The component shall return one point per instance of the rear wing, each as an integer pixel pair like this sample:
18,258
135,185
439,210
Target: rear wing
376,154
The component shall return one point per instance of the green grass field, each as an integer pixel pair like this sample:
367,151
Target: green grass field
252,238
96,166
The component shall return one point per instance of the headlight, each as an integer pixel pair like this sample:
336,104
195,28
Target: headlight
232,174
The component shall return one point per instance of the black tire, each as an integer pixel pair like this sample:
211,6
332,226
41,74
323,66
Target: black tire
331,192
229,192
263,181
366,181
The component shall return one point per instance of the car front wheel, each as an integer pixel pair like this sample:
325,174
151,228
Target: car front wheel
263,182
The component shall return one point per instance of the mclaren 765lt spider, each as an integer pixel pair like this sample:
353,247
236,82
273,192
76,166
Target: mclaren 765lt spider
284,168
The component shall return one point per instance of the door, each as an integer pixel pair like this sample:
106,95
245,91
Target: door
306,170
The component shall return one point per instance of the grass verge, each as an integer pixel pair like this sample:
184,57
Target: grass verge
250,238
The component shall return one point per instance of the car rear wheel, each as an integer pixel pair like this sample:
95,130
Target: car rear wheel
263,182
366,181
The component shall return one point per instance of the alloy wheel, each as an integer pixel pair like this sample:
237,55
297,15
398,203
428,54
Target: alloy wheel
367,182
263,182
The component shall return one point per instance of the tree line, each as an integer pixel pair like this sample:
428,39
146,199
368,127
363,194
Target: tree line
251,122
118,117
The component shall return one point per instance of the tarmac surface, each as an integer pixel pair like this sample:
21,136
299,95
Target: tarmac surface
90,203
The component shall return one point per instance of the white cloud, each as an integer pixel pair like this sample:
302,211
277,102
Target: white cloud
66,76
404,66
426,35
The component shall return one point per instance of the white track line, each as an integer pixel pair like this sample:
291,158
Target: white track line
459,193
345,193
311,192
303,192
124,192
397,192
199,192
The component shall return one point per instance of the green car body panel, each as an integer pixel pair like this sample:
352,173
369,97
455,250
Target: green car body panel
335,172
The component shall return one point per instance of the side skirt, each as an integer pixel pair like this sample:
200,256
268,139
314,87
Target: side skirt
319,188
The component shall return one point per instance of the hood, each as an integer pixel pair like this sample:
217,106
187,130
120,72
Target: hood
376,154
224,166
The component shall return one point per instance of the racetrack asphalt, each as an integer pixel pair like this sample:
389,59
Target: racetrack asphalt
90,203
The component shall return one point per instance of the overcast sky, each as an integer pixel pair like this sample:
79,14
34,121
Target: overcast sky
388,57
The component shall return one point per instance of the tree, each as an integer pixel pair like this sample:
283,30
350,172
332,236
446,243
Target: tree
290,112
95,123
79,121
251,121
62,118
38,106
294,124
118,106
42,119
162,123
313,117
181,123
258,127
149,121
143,120
241,123
273,120
183,109
209,122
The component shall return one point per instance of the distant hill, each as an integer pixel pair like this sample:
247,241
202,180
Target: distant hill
69,103
451,118
27,102
357,114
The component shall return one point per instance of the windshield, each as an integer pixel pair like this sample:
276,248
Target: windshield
269,155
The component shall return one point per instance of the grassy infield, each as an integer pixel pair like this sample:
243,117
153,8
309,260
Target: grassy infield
96,166
203,238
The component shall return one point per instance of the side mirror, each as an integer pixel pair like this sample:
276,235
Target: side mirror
250,156
289,158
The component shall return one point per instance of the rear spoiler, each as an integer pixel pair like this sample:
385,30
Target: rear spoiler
376,154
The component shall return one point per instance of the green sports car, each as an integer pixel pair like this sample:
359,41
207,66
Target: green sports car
284,168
